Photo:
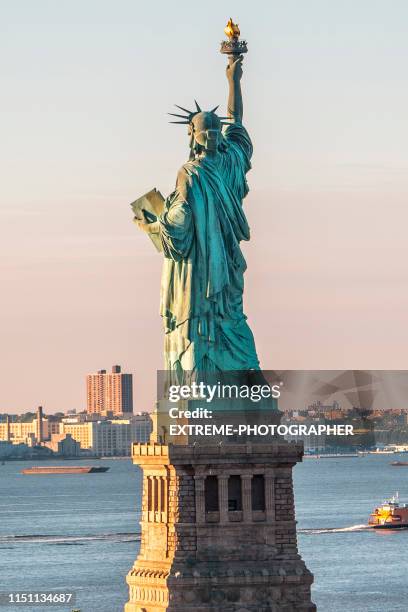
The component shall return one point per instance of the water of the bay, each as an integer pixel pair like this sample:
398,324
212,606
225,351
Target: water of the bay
81,533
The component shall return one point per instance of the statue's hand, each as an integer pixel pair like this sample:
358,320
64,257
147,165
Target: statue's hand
234,70
149,228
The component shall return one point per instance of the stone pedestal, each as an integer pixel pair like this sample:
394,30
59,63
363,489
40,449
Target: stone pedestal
218,530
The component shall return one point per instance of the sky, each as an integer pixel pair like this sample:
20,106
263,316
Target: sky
85,91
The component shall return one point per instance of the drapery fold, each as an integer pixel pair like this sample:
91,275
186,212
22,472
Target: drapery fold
202,282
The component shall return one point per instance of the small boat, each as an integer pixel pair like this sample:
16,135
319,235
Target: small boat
399,463
62,469
389,515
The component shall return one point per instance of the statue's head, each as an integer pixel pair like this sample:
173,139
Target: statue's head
204,129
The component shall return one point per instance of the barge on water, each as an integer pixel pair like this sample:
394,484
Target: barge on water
62,469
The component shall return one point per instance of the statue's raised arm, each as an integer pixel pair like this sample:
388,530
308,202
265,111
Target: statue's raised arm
236,134
235,106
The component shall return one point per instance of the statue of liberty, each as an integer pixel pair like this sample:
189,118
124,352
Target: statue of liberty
221,499
200,229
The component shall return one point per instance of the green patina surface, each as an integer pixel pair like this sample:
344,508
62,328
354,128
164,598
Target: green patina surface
201,229
203,273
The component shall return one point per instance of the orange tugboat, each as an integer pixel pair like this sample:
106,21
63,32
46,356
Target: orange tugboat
390,515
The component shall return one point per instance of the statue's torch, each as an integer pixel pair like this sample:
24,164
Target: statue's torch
233,47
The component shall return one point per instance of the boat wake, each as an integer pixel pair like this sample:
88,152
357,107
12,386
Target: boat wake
362,527
69,539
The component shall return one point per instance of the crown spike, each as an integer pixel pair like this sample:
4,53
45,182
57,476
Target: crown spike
197,106
180,122
184,109
181,116
214,109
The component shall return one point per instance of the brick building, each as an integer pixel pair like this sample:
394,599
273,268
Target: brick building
109,392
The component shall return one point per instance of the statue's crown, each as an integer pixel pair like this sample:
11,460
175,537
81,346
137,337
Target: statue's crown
188,118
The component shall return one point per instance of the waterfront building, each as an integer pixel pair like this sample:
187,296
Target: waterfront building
64,445
109,392
81,431
108,437
312,442
22,432
53,425
6,448
140,426
9,450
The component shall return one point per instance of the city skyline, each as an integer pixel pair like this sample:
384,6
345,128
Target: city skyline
325,105
82,434
116,393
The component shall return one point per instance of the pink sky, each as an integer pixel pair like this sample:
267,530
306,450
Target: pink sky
85,133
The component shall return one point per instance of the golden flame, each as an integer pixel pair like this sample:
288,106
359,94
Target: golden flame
232,29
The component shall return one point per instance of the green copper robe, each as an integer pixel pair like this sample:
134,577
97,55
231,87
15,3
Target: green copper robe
202,284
